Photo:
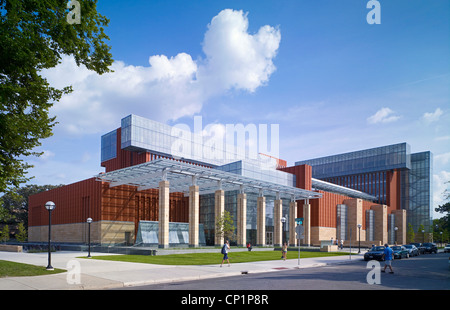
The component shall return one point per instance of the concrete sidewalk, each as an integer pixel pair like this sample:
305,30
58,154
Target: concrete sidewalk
92,274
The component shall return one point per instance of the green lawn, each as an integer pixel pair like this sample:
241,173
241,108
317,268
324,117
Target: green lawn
13,269
213,258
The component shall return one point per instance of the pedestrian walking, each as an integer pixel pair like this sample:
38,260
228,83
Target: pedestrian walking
249,246
284,251
387,258
225,249
342,244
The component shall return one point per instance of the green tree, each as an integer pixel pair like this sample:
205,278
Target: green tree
21,234
443,223
225,226
34,34
410,233
421,234
14,203
4,235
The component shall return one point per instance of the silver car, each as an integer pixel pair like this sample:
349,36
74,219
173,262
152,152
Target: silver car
412,249
447,248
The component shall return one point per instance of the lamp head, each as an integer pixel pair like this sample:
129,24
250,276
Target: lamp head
50,205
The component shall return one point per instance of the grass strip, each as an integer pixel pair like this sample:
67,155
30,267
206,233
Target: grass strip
212,258
13,269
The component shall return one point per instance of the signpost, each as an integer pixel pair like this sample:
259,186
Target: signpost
299,230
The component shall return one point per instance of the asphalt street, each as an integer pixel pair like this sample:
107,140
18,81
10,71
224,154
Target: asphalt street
424,272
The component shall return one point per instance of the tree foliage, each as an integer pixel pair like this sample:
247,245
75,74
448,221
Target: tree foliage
34,34
225,226
410,235
443,223
14,203
4,234
21,235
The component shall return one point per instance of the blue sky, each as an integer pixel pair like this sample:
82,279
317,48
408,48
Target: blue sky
333,82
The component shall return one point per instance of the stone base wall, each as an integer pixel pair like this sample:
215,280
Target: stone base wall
11,248
322,233
103,232
319,234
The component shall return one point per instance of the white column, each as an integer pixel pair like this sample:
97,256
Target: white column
219,202
277,225
163,215
193,215
292,217
242,219
261,221
307,223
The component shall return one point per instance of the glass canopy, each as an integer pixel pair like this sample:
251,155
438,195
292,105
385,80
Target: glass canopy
181,175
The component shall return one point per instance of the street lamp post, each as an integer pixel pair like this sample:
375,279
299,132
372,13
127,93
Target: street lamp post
89,221
50,206
437,230
283,220
423,236
359,237
395,228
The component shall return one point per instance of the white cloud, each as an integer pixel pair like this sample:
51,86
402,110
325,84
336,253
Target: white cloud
46,155
440,184
170,87
433,116
443,158
443,138
244,61
384,115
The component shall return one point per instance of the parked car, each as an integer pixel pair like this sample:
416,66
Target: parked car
400,252
447,248
412,249
430,247
375,252
419,247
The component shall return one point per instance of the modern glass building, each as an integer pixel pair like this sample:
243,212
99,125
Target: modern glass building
391,173
168,182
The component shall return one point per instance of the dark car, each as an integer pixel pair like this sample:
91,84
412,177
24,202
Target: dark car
412,249
430,247
400,252
419,247
375,252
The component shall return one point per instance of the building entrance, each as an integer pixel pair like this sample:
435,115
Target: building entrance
269,238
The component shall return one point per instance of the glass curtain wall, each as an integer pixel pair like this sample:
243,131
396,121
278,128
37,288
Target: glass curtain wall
389,157
341,222
207,215
370,225
420,191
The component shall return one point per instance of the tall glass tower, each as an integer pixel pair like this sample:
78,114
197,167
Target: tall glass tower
391,173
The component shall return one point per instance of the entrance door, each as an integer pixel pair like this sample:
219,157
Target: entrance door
269,238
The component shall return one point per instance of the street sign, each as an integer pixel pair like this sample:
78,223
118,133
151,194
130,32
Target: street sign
300,230
299,221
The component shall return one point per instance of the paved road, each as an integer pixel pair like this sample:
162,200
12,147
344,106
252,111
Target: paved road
425,272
